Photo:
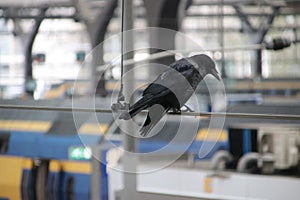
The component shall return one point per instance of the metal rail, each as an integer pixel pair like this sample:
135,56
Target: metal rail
195,114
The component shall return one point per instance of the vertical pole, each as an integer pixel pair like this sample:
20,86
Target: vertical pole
221,36
96,172
129,142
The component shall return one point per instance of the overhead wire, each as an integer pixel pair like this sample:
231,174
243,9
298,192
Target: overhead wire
121,96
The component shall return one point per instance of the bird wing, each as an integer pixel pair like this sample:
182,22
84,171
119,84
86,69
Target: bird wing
175,80
180,80
170,80
143,103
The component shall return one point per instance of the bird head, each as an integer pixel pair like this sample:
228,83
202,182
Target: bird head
205,65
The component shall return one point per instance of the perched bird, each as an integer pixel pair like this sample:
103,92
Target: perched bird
171,89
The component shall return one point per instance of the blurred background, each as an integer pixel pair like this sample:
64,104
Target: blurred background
57,35
52,56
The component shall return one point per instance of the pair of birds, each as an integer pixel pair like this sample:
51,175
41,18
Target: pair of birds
171,89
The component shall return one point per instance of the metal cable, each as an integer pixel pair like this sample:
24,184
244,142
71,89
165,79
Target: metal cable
121,95
195,114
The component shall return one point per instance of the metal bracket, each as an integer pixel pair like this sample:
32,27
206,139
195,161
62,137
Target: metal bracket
120,106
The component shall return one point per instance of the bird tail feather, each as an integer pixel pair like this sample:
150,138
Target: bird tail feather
154,115
140,105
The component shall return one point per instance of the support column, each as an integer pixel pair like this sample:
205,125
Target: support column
29,82
162,14
98,37
97,29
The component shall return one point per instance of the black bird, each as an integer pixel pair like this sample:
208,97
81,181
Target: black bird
171,89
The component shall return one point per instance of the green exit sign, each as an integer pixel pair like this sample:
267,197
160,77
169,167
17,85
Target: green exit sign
80,153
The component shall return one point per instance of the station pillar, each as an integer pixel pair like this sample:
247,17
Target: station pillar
162,14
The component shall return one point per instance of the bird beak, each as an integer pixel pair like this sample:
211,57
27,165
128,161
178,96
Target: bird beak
216,74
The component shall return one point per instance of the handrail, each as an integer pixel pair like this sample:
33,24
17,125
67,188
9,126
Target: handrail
194,114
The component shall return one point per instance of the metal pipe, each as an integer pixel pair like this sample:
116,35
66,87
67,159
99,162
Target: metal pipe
96,189
194,114
129,159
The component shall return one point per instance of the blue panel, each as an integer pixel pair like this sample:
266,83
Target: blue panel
151,146
81,184
23,144
56,146
38,145
247,141
104,188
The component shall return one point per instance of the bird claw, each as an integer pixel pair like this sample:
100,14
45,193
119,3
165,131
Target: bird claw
178,111
120,106
188,109
175,110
